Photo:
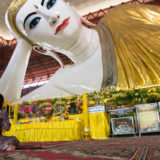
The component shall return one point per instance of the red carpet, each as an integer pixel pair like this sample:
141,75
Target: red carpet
147,148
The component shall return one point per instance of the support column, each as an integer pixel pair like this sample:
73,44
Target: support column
86,118
15,113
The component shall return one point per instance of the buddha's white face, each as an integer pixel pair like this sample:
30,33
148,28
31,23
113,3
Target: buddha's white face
51,22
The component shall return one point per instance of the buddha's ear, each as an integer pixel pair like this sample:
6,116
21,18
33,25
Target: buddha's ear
39,49
87,22
48,52
82,18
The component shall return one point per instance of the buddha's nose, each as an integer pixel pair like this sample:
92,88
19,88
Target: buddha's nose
53,20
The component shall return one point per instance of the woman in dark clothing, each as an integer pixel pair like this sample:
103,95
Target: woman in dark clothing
6,143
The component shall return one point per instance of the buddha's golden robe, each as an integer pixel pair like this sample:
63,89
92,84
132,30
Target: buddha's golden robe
135,31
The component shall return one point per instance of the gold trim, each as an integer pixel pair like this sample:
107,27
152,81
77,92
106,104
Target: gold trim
12,13
36,7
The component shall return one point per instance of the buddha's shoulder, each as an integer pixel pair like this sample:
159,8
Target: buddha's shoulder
129,13
131,10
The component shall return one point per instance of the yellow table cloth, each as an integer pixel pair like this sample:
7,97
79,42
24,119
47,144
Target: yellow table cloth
99,125
47,131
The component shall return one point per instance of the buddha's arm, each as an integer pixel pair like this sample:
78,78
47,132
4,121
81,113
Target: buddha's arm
12,79
45,92
70,80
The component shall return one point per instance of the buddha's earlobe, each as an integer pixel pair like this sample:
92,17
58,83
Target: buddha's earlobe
39,49
87,22
83,19
48,52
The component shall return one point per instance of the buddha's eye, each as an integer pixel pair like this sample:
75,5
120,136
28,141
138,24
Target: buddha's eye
34,22
50,3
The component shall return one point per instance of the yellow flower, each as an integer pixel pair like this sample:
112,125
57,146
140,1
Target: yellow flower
91,102
105,100
156,94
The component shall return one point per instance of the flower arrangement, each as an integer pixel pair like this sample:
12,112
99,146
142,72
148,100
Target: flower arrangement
74,105
154,97
47,111
27,110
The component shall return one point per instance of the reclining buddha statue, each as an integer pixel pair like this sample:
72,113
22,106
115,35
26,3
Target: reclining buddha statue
122,51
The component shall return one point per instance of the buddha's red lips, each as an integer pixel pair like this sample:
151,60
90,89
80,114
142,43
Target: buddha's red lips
63,25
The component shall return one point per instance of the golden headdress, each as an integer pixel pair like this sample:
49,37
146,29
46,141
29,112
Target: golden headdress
12,13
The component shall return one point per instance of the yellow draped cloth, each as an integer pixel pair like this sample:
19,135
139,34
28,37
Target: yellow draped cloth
47,131
99,125
135,30
66,130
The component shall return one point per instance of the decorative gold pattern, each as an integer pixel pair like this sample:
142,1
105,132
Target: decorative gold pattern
136,34
12,13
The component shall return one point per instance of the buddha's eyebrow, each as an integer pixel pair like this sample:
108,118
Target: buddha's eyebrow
28,17
42,2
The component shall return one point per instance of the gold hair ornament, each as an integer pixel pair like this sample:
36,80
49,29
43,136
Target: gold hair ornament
12,13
